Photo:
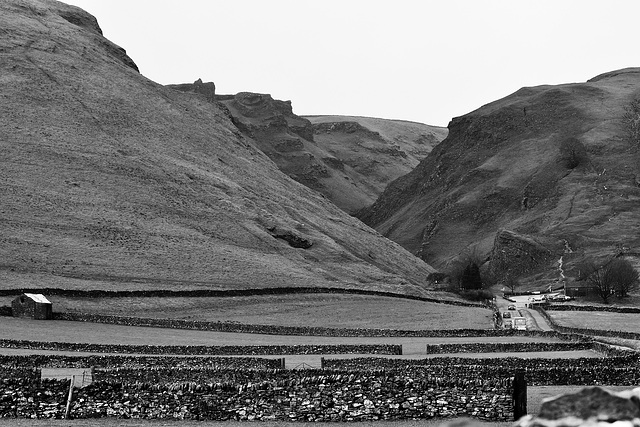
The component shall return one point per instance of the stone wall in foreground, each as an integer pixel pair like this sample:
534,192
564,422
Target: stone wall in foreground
314,395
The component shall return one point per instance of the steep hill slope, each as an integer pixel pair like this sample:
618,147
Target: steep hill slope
372,151
553,165
348,159
109,180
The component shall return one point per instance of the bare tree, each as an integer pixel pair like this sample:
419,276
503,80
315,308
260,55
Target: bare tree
624,276
585,268
602,281
511,282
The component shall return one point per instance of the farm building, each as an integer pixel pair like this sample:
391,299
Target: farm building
34,306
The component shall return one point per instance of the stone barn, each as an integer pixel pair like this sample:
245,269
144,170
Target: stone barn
34,306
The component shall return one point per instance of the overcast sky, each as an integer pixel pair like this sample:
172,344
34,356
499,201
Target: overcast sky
419,60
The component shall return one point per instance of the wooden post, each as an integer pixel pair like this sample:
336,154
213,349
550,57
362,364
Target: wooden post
519,395
68,408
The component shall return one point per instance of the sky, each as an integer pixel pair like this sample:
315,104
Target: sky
419,60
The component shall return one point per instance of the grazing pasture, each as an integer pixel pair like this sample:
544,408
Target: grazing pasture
100,333
312,310
604,320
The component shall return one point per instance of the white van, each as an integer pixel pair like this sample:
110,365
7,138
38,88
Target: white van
519,323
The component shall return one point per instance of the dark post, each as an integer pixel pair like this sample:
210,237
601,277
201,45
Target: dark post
519,395
282,363
322,363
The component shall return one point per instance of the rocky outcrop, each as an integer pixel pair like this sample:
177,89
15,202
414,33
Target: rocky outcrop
294,239
591,406
518,254
208,89
349,160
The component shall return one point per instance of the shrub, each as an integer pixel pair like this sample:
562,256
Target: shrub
573,153
476,294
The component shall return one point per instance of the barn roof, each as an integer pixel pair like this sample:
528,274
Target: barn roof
38,298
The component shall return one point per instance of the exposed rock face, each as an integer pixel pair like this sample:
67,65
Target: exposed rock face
112,181
590,406
47,9
547,161
349,160
518,254
208,89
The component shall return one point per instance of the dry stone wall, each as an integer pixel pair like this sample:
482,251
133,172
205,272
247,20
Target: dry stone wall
207,350
614,371
507,347
26,397
272,395
106,362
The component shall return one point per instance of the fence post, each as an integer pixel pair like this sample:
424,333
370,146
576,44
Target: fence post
322,363
68,408
519,395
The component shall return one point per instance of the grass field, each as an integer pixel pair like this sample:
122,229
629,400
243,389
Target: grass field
99,333
627,322
321,310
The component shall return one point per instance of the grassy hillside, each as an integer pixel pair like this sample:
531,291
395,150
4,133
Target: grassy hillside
111,181
371,152
555,165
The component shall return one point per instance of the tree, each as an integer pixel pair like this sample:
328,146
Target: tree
585,268
615,277
465,270
511,282
471,278
624,276
601,280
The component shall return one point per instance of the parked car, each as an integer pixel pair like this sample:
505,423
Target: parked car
561,298
506,315
511,307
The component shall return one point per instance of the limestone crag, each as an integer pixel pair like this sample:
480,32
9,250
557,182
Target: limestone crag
518,254
350,172
208,89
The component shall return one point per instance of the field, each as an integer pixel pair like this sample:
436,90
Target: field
313,310
99,333
627,322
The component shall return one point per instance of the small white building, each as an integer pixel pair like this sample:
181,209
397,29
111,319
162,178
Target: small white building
34,306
